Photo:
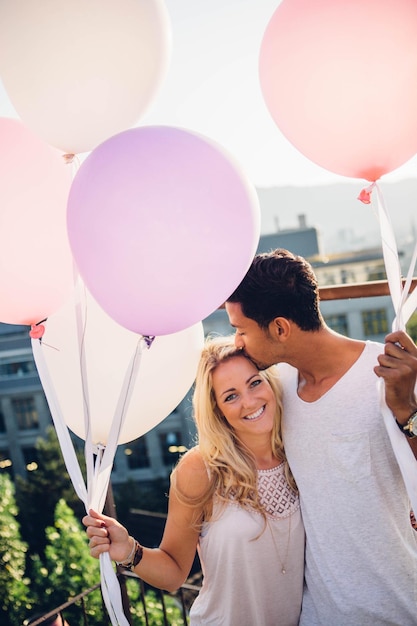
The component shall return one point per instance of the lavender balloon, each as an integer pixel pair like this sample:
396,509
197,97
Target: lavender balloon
163,225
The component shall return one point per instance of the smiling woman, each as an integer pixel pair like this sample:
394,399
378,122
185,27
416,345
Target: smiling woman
232,498
249,406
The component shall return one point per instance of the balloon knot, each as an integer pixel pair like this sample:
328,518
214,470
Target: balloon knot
37,330
365,194
68,158
148,340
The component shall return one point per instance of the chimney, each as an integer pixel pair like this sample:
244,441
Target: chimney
302,222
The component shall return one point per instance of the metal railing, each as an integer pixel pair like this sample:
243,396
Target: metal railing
184,597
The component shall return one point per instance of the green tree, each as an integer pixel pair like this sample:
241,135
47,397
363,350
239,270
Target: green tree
67,568
46,485
412,327
154,609
14,601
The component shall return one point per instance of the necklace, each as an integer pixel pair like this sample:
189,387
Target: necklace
277,498
284,560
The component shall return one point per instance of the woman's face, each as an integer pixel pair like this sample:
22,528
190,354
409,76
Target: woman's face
246,400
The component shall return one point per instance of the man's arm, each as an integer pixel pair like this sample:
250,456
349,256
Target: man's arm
398,367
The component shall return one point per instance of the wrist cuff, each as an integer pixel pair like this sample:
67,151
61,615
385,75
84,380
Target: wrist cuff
134,557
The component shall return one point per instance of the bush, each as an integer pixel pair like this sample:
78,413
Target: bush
14,600
67,568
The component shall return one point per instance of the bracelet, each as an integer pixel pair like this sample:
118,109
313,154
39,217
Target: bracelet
134,557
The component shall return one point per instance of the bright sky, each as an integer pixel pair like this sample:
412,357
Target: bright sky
212,87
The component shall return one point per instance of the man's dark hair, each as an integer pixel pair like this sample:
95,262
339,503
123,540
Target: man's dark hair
280,284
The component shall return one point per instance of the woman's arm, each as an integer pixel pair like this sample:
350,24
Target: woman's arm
168,566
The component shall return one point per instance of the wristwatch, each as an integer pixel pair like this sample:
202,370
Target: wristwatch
410,428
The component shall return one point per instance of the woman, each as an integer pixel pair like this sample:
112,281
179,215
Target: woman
232,498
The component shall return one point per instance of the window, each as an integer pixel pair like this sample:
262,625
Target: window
172,448
2,423
16,366
347,276
377,273
30,454
338,323
328,279
374,322
25,412
5,462
137,454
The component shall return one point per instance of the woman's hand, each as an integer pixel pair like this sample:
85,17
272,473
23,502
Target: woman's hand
107,535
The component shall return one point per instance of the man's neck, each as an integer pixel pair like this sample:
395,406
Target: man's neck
323,359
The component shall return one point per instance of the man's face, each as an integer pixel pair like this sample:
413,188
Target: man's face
256,342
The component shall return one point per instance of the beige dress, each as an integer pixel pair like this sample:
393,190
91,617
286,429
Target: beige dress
249,581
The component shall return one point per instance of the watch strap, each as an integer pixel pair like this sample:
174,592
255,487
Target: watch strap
407,427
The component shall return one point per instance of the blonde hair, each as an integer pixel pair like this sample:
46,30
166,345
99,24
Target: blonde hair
230,464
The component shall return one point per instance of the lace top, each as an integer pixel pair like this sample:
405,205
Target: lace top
252,573
276,495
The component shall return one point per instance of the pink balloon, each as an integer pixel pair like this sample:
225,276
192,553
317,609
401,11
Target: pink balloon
340,80
163,226
36,266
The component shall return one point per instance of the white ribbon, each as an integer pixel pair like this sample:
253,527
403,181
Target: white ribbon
98,472
404,306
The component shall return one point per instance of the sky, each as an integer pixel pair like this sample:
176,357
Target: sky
212,87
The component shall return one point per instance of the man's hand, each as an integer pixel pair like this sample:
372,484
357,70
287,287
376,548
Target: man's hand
398,367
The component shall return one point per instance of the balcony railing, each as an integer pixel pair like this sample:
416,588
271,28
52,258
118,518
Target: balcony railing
183,597
358,290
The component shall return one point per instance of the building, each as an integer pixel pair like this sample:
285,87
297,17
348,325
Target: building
25,415
360,318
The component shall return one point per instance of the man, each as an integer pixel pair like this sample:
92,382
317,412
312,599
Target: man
361,552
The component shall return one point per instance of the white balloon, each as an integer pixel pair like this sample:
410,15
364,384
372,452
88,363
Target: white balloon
80,71
167,371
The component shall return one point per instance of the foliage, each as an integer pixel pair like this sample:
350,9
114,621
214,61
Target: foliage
14,602
59,565
67,568
154,608
46,485
412,327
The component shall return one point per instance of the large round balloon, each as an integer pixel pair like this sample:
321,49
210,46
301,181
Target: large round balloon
80,71
339,78
163,226
166,372
36,265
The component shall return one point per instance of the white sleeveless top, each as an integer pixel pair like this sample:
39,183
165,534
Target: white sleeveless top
244,583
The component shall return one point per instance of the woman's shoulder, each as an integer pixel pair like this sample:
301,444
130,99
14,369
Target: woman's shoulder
192,459
191,475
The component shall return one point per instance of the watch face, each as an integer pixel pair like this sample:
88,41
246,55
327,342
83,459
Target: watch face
413,425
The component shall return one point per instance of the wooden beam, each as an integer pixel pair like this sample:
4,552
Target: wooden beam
358,290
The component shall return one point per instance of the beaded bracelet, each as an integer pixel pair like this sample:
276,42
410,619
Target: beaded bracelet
134,557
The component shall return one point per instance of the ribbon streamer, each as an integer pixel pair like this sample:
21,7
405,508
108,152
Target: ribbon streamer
99,470
404,306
